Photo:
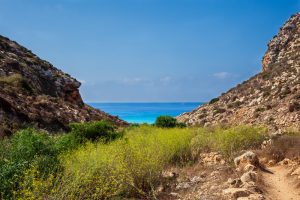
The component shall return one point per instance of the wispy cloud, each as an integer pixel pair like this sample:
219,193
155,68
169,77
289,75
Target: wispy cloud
224,75
135,81
165,79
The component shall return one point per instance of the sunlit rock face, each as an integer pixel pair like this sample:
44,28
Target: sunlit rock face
271,97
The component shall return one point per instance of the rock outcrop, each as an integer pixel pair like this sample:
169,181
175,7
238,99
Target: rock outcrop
34,92
271,97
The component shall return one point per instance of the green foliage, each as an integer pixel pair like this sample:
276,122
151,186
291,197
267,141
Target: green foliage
130,166
94,130
181,125
66,142
168,122
165,122
214,100
228,141
23,149
94,162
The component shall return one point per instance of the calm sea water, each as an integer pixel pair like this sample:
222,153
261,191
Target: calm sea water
144,112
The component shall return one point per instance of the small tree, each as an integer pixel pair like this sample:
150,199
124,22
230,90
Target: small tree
94,130
166,122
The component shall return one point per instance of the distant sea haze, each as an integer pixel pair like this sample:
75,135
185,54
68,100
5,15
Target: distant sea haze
145,112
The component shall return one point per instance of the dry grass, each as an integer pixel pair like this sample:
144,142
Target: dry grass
287,146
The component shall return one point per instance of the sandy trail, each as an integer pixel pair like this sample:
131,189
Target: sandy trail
279,187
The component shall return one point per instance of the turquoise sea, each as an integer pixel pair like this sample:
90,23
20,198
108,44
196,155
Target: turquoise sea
145,112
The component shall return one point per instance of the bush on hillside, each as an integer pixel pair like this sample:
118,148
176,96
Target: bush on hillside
214,100
94,130
168,122
181,125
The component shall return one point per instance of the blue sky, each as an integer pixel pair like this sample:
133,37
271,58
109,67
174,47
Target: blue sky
148,50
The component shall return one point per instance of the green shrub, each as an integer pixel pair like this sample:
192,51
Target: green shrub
66,142
94,130
181,125
25,148
214,100
166,122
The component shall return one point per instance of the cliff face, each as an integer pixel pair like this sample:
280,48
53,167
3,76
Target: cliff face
34,92
271,97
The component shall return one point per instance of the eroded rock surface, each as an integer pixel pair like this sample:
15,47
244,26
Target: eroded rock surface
34,92
270,97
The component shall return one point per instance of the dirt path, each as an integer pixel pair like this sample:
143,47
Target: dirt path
279,187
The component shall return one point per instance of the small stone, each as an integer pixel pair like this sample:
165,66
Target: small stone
236,192
271,163
249,177
183,186
168,174
174,194
296,172
196,179
285,161
252,197
263,160
214,173
160,188
234,182
249,167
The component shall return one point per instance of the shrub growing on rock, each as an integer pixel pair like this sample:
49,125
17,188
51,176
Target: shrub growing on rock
214,100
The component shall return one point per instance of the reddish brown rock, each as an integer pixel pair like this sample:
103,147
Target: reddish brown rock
33,92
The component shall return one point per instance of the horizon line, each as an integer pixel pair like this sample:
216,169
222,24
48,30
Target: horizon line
144,102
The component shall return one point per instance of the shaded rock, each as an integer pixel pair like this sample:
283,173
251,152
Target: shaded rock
35,93
253,197
236,192
184,185
249,167
235,183
249,177
248,158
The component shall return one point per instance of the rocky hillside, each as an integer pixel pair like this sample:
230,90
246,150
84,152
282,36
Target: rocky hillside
271,97
34,92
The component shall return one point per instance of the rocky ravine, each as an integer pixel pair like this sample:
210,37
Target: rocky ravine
271,97
34,92
252,178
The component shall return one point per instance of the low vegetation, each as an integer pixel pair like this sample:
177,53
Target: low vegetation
228,141
97,161
168,122
16,80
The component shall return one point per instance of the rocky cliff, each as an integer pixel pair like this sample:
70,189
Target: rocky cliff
34,92
271,97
